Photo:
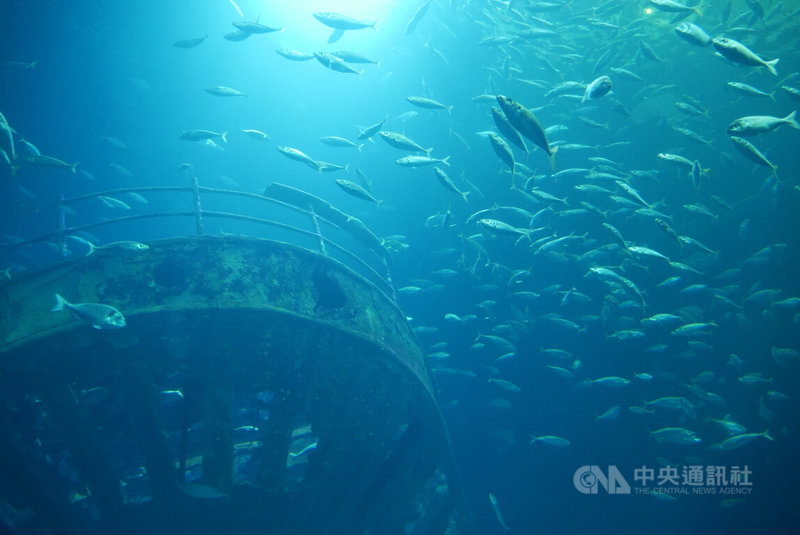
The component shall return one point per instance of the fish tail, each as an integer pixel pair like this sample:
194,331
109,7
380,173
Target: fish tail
552,156
360,147
770,65
446,161
74,167
792,121
60,302
464,195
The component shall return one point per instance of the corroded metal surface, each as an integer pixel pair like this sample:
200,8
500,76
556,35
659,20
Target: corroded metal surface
207,272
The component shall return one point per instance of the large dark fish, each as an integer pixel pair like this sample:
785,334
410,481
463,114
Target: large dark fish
526,123
507,129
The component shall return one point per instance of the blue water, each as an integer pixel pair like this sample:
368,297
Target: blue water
110,69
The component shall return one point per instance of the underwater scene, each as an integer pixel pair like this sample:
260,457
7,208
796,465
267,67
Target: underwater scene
399,266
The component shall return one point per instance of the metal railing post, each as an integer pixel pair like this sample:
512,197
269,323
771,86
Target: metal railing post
198,211
317,230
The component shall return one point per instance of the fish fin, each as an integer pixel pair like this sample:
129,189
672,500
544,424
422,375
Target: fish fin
74,167
92,247
360,147
428,151
770,65
60,302
446,161
335,36
224,137
766,434
464,195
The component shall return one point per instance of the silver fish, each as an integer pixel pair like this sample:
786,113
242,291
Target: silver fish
738,53
294,55
749,151
402,142
335,64
757,124
749,90
189,43
356,191
354,57
256,134
200,135
445,181
254,27
429,103
299,156
98,315
335,141
671,6
693,34
222,91
419,161
342,22
370,131
599,87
